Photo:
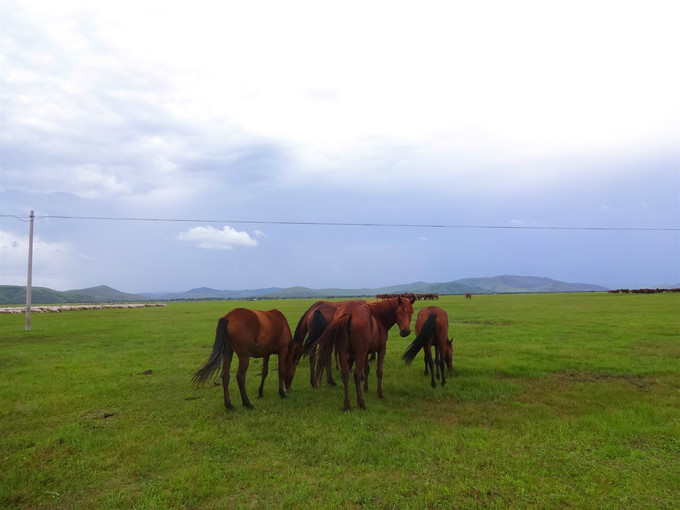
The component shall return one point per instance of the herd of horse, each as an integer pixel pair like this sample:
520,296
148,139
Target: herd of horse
642,291
353,330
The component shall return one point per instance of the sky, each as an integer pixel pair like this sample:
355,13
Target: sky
166,146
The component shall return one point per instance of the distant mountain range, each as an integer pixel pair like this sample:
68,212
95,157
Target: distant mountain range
492,285
15,295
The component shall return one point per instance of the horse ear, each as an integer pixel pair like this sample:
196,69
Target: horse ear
412,299
449,342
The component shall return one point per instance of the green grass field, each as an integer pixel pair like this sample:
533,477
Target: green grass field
560,400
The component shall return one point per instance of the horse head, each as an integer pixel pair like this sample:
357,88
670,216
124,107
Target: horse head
404,313
295,351
448,354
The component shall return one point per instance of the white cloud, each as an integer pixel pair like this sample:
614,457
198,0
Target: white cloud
210,238
50,259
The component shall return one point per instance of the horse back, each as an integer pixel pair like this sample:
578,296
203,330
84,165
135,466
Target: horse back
257,333
365,331
441,330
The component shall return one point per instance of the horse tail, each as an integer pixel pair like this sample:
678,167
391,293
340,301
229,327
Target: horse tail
327,340
219,348
301,329
316,329
425,334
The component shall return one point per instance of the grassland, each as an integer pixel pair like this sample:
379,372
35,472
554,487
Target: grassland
558,400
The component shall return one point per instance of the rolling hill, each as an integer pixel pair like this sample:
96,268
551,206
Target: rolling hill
16,295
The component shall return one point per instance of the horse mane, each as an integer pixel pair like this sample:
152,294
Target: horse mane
384,310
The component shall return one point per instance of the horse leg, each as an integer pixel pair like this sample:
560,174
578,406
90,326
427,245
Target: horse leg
362,359
265,371
367,370
344,374
312,358
379,370
442,364
282,374
426,368
329,370
430,363
225,376
241,380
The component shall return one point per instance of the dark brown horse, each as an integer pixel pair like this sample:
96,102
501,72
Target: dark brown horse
311,325
360,328
256,334
432,326
468,296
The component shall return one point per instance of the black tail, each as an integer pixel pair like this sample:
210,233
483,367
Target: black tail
326,343
316,329
301,329
215,359
425,334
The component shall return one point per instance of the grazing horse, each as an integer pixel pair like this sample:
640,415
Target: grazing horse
360,328
311,325
468,295
250,333
432,325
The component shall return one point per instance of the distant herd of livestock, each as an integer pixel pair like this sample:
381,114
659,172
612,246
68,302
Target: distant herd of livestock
642,291
68,308
409,295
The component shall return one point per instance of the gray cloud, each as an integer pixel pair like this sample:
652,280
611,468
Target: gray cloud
107,111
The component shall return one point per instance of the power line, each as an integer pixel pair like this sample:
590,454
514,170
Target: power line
341,224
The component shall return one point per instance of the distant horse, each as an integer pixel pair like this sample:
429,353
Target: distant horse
250,333
311,325
357,330
468,296
432,325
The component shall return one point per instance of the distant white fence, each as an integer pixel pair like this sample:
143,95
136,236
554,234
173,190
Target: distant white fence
68,308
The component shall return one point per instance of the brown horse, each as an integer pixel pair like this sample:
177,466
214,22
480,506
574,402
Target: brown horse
360,328
311,325
468,296
432,325
250,333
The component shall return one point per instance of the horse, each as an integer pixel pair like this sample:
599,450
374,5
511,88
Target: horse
251,333
357,329
432,325
311,325
468,295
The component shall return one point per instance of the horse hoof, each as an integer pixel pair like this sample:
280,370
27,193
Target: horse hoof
333,383
434,385
249,406
229,407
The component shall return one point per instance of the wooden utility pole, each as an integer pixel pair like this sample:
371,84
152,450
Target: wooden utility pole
29,283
